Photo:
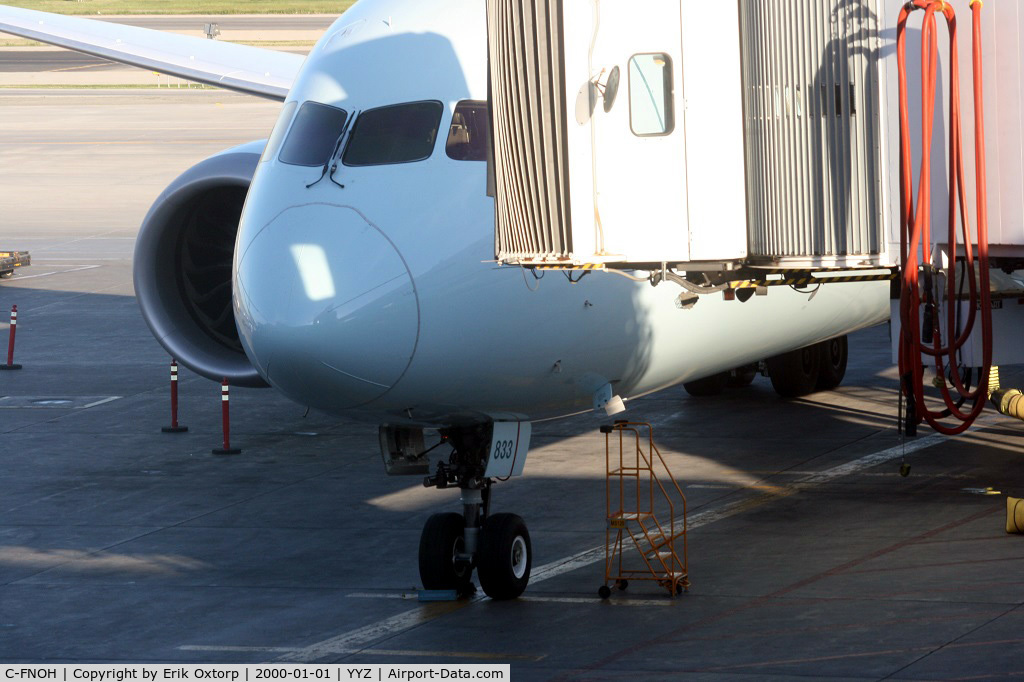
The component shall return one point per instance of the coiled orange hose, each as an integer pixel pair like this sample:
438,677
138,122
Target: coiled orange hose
915,228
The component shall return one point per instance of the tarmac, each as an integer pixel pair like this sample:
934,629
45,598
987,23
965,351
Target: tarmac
810,557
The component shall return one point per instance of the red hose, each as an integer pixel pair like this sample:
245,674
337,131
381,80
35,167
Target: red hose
915,228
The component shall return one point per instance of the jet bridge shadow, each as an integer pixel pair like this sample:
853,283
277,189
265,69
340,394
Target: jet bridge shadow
848,164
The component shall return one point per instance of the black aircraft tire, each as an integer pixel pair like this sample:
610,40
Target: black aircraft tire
708,386
741,377
505,557
834,354
441,540
795,373
6,274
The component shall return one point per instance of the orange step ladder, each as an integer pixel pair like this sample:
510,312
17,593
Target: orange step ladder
640,489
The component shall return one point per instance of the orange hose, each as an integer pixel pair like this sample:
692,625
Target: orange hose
915,227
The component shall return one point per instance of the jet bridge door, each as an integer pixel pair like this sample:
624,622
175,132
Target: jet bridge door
627,148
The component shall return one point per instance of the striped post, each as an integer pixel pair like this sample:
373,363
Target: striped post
174,427
10,343
225,402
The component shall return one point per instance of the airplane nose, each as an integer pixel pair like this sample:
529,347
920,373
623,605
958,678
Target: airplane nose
326,306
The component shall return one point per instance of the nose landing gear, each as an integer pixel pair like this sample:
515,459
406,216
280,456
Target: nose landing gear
452,546
505,557
442,546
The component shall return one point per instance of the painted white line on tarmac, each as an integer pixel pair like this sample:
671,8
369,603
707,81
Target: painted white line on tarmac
704,518
100,402
56,272
239,649
869,461
595,601
357,640
535,599
382,595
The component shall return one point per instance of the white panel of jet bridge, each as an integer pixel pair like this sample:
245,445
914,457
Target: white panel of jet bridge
664,153
1003,77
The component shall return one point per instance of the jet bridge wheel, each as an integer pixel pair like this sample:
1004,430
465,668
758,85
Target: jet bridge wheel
505,556
834,354
795,373
440,544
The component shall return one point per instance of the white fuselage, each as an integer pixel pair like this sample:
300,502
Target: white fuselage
378,299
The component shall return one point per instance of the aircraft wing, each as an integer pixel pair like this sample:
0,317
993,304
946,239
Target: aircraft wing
252,70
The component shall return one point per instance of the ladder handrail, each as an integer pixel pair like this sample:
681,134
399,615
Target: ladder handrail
631,426
654,542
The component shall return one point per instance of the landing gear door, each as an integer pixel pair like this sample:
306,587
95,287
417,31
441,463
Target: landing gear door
627,145
510,442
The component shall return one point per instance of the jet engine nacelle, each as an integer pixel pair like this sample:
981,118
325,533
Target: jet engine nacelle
182,266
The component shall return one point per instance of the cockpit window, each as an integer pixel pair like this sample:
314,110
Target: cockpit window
280,128
401,133
314,135
470,134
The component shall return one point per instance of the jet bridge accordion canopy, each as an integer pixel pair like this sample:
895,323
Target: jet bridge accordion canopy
811,105
632,135
529,116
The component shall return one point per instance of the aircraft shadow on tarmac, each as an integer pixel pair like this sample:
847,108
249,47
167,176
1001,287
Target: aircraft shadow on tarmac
130,522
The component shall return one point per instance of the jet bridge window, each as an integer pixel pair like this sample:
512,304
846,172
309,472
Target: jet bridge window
469,136
314,135
650,95
400,133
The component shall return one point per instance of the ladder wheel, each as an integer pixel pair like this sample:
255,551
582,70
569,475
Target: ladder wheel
604,592
621,585
834,354
505,556
440,543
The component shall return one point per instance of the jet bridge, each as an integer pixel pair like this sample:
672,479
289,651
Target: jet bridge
732,145
699,134
720,135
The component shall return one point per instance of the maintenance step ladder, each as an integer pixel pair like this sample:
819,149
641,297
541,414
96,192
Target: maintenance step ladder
639,489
